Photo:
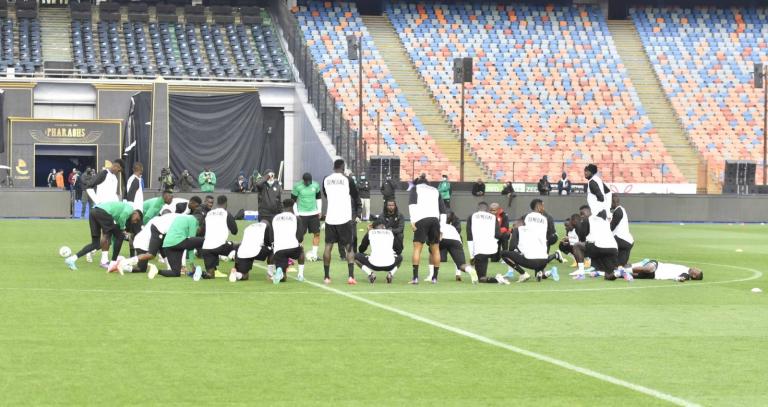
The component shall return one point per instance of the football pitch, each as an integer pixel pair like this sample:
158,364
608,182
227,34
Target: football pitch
85,337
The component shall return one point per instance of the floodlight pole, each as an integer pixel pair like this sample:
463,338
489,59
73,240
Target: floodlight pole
360,104
765,123
461,139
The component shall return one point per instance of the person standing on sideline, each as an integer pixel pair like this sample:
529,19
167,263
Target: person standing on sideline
543,186
343,202
270,196
564,185
52,178
309,205
388,189
364,189
427,211
71,180
445,191
207,180
60,179
478,189
509,191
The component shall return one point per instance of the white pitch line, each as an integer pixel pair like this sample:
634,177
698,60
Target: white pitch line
538,356
140,291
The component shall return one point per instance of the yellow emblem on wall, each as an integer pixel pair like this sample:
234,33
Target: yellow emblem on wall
21,167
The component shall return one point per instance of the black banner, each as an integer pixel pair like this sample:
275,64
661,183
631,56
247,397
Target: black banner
137,139
225,133
25,134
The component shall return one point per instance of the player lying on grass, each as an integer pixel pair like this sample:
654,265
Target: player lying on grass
383,256
218,225
528,247
288,234
107,221
256,245
652,269
483,239
450,244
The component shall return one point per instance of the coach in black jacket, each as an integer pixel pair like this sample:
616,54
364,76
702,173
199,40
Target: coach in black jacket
270,196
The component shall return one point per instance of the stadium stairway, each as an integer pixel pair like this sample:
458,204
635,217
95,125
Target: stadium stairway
654,100
415,90
55,30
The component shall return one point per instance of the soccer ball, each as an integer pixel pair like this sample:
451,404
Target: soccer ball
65,251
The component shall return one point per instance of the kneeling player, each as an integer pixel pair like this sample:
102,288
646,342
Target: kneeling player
147,244
383,257
450,244
287,245
652,269
107,221
218,225
600,244
482,238
256,245
181,238
529,244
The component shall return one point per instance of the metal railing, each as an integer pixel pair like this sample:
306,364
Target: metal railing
332,118
527,171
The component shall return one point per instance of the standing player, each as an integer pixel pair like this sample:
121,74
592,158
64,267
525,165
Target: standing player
105,187
135,187
256,245
598,194
340,193
427,211
383,257
309,204
364,188
483,239
107,221
620,228
218,225
287,244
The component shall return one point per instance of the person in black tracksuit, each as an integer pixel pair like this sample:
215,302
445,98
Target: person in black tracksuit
388,189
270,196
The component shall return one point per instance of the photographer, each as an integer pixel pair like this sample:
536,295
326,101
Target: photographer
166,180
207,180
270,192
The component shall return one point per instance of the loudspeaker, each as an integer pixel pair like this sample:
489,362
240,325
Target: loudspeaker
467,69
739,177
758,76
352,50
380,167
458,67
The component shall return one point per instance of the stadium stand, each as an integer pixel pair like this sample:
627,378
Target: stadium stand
325,27
704,58
549,91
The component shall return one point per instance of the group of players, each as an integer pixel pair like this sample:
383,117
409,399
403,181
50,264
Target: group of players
175,230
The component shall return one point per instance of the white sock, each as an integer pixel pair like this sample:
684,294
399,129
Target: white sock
238,275
104,257
581,268
431,272
458,272
510,270
131,261
469,269
301,270
394,270
367,271
271,270
72,258
314,251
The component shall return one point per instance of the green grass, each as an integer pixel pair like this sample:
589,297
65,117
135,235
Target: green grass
88,338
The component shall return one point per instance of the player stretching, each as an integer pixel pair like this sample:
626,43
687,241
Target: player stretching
483,235
309,204
427,211
620,228
340,192
218,225
450,244
383,257
256,245
286,227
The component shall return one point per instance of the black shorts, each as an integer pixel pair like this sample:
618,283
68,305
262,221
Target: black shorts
309,223
280,258
565,247
625,248
363,260
341,234
513,256
155,241
244,265
603,259
427,231
455,249
102,222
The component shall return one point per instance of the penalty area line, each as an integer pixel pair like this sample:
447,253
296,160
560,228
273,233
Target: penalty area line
538,356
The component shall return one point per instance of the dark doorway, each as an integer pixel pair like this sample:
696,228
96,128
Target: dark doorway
64,157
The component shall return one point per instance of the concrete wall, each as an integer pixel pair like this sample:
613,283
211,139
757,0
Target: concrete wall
654,208
17,103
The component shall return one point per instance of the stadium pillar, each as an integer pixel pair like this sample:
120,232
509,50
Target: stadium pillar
289,145
461,141
765,126
360,106
378,133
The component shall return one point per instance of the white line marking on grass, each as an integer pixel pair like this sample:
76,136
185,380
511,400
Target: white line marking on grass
538,356
140,291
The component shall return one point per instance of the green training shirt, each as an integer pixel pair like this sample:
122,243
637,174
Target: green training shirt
306,197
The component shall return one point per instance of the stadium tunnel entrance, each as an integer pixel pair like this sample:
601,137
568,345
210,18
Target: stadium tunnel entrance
62,157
